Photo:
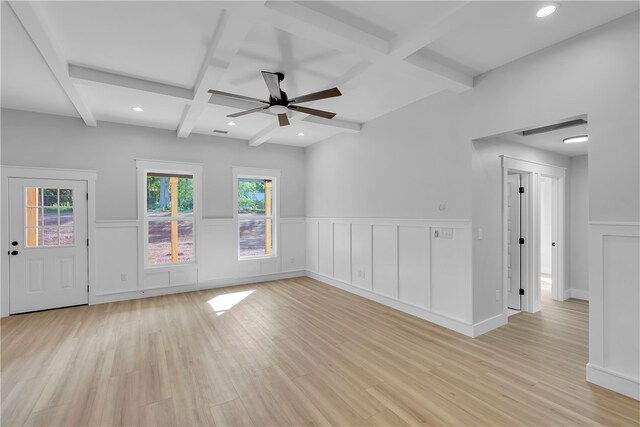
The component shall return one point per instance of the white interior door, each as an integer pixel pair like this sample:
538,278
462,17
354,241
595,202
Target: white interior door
48,265
513,245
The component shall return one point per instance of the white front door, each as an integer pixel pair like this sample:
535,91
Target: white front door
48,265
513,246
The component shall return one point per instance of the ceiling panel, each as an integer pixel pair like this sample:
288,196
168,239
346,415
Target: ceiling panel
162,41
495,33
215,117
385,19
115,105
27,81
308,66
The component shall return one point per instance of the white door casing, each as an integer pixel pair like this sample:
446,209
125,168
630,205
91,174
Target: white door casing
513,245
48,265
530,173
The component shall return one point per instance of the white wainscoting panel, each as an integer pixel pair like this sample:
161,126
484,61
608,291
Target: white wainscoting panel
361,256
217,260
385,260
414,277
448,258
614,312
116,258
292,244
312,246
621,273
217,243
325,248
342,251
400,263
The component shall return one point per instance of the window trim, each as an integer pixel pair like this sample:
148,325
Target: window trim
144,167
258,173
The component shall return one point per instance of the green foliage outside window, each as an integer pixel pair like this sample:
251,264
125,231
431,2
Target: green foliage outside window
159,196
251,196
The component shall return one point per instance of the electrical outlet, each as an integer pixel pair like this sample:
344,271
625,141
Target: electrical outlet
498,295
123,277
480,234
292,260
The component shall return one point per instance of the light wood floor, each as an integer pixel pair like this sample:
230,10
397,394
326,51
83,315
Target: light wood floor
295,352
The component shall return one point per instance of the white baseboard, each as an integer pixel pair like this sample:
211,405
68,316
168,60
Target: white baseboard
582,294
489,324
422,313
617,382
210,284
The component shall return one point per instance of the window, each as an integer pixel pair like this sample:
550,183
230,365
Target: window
256,213
49,217
169,218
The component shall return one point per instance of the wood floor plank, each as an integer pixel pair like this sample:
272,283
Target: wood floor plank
296,352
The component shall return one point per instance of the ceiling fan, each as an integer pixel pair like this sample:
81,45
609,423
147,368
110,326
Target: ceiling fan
278,102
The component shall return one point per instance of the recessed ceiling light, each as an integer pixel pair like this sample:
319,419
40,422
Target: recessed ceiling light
300,134
137,109
577,138
231,123
546,10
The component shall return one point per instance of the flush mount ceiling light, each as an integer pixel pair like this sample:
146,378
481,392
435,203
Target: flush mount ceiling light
300,134
137,109
231,123
546,10
278,109
575,139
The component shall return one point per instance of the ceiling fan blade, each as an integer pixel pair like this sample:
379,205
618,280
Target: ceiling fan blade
312,111
273,83
284,121
233,95
328,93
253,110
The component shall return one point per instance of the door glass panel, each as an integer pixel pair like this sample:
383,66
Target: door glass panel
48,236
66,217
49,217
66,197
50,197
66,236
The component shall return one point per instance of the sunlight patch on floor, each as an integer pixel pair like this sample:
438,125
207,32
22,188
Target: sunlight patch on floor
224,302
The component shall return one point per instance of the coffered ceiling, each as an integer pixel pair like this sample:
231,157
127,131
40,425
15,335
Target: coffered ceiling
96,60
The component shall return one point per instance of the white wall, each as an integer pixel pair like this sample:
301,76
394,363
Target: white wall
487,215
32,139
40,140
407,163
578,211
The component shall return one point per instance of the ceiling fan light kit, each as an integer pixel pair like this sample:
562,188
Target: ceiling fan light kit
279,103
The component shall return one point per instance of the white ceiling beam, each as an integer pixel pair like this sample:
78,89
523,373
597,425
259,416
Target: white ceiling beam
266,133
232,29
296,18
421,36
44,41
346,126
97,78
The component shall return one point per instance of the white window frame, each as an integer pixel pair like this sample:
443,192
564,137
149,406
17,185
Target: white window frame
144,167
256,173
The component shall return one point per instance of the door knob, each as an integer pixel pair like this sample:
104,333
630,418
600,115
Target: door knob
14,252
14,243
553,243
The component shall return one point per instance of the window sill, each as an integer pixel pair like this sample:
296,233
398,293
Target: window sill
257,258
